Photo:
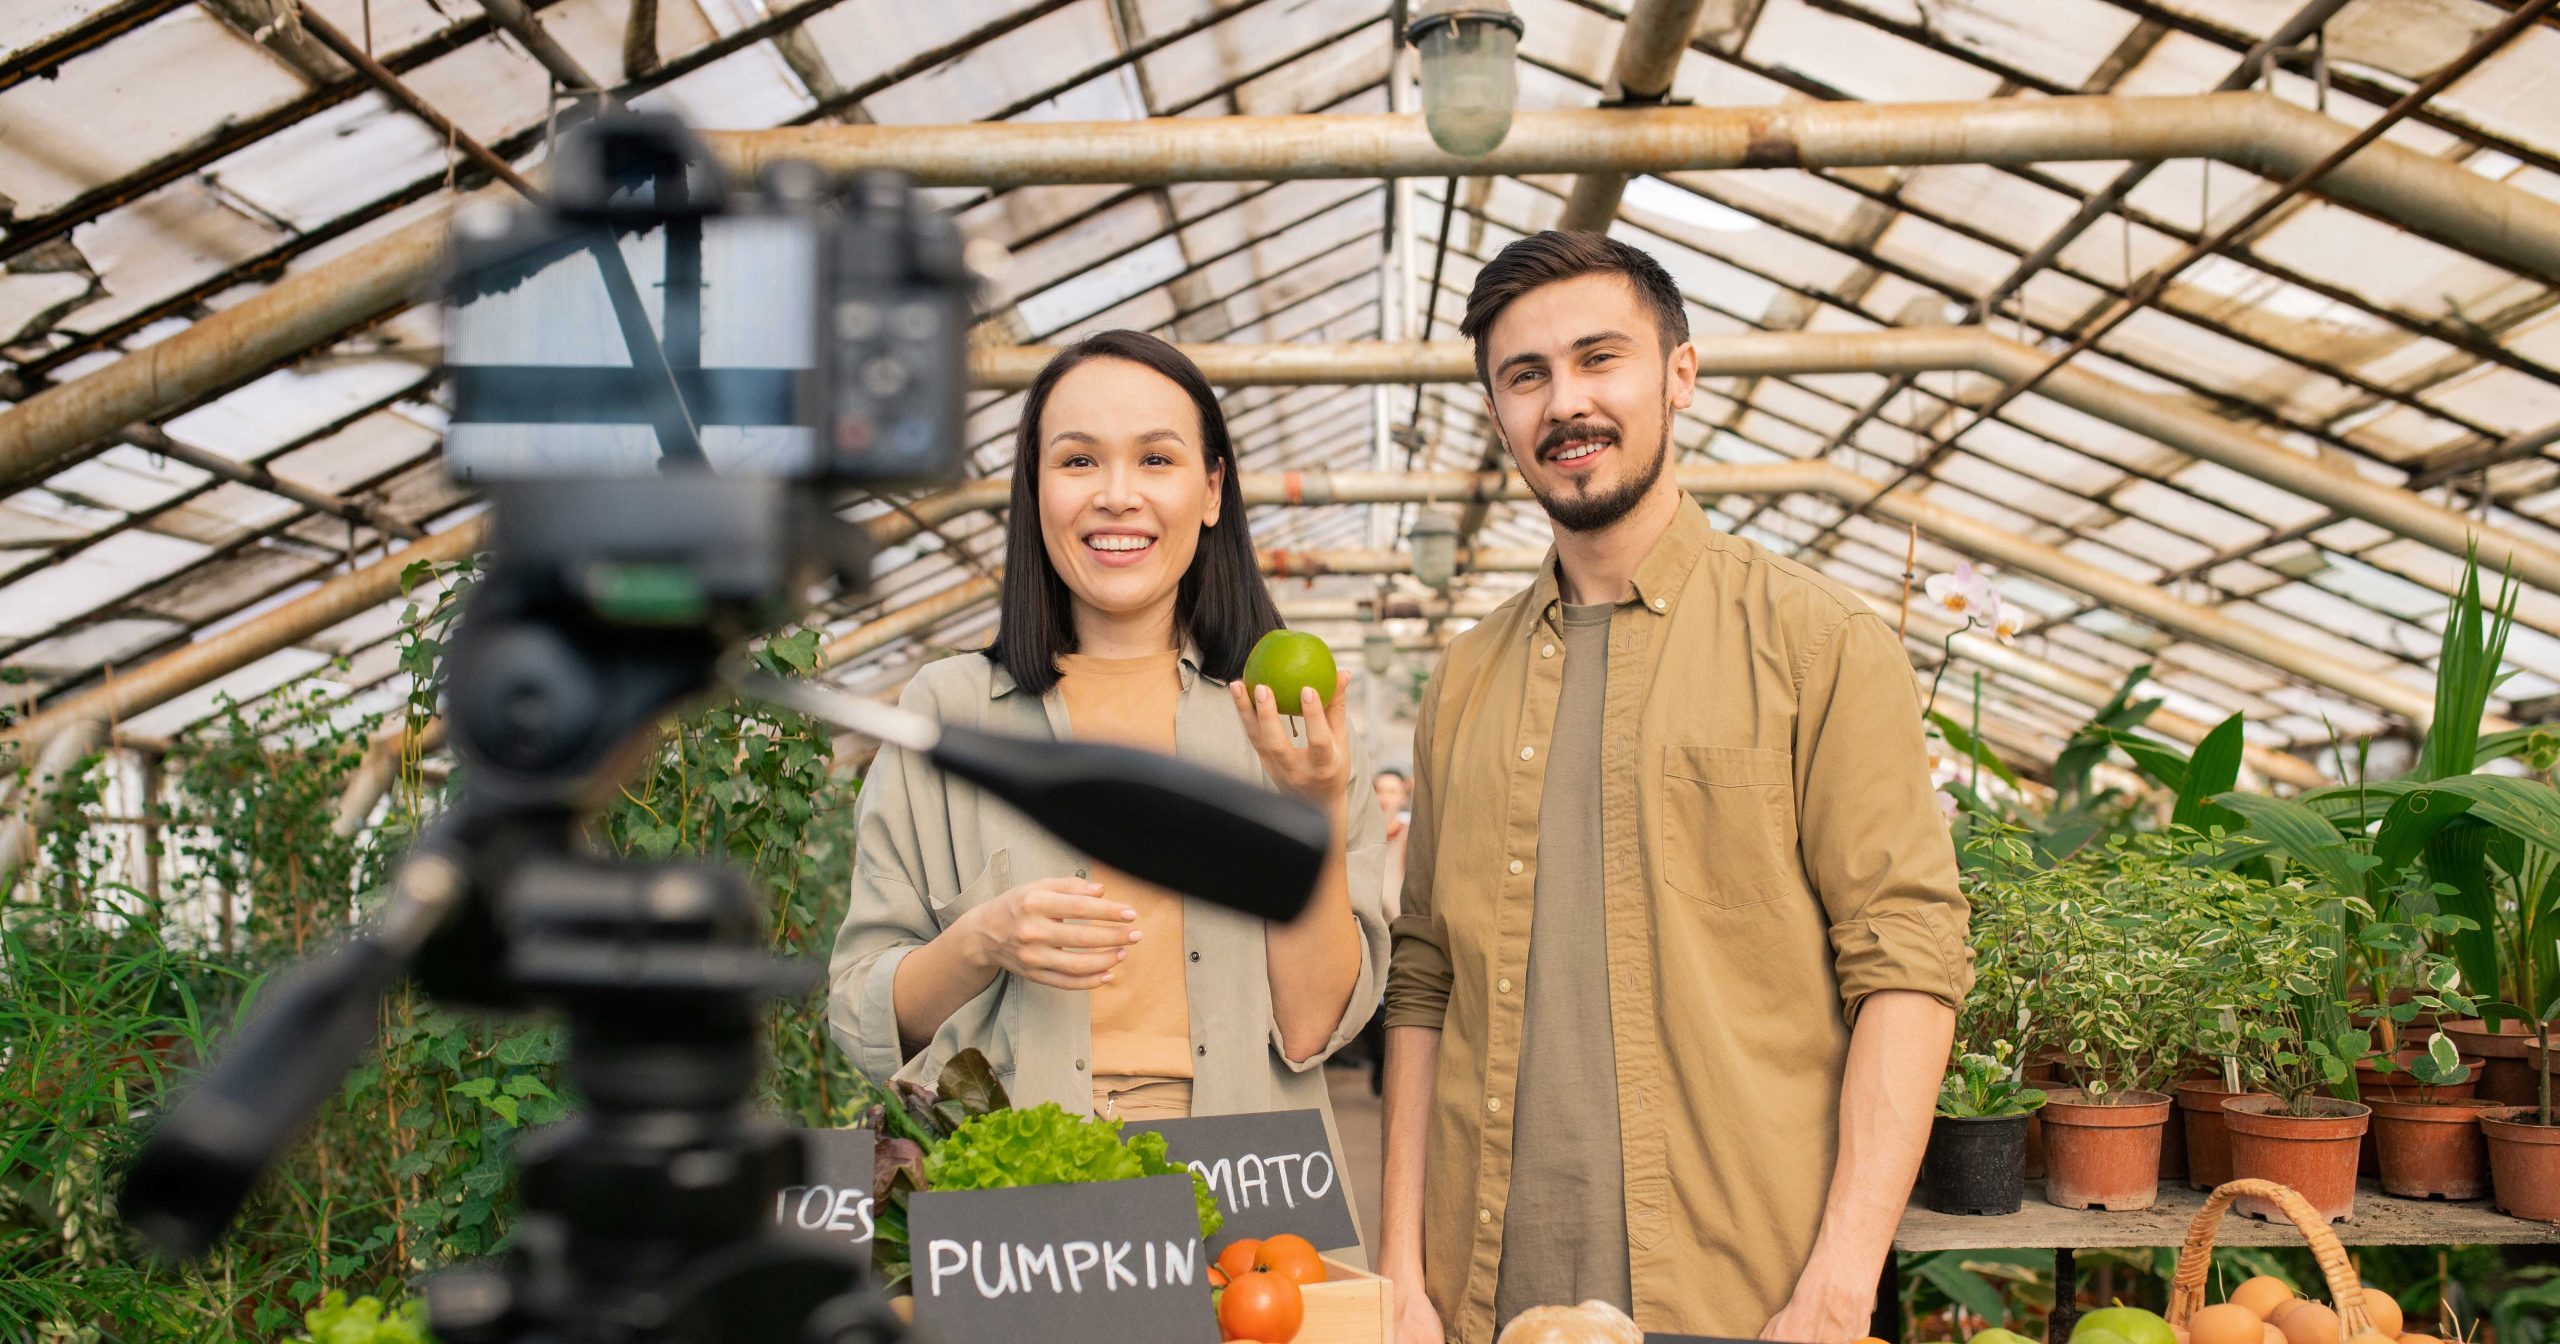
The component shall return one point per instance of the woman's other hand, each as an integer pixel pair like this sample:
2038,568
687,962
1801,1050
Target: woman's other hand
1058,931
1319,771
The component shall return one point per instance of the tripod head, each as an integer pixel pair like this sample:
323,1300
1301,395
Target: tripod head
660,480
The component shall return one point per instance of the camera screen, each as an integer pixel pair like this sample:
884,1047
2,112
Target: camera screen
549,347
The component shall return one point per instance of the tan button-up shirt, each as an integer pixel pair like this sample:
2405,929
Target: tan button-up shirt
1773,855
932,847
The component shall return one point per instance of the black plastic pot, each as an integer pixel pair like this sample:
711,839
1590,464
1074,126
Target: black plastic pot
1975,1166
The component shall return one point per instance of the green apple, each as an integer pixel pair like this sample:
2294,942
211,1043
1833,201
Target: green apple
1291,662
2132,1324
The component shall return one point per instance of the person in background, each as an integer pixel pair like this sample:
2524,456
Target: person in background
1681,942
1130,600
1395,799
1393,795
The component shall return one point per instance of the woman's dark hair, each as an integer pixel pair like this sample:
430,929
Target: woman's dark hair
1222,606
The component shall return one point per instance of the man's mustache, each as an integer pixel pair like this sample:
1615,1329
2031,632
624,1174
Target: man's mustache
1563,434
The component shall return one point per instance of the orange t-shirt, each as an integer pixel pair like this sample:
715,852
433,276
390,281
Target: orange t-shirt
1142,1019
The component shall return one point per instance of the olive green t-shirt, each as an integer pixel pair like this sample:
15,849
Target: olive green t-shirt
1564,1240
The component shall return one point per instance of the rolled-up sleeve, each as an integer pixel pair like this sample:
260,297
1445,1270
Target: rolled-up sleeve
1874,843
1365,862
889,915
1418,976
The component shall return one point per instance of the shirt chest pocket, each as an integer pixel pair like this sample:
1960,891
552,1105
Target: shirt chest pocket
1725,830
993,880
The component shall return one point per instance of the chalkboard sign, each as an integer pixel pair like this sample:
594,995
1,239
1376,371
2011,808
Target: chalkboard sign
1271,1172
1100,1263
833,1200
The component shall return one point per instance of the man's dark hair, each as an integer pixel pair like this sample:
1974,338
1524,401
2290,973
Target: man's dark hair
1222,607
1560,254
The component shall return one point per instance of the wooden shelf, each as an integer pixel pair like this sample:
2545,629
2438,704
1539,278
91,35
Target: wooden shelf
2380,1221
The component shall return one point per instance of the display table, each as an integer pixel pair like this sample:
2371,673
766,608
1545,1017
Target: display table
2380,1221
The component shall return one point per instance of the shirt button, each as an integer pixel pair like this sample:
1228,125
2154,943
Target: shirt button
1484,1215
1493,1104
1527,752
1660,603
1079,1066
1200,1050
1548,652
1503,984
1516,865
1083,872
1195,956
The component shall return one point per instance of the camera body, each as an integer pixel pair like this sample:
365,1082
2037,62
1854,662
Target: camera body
652,320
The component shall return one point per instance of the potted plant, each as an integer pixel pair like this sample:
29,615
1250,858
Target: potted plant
2297,1045
1976,1162
2429,1146
2524,1143
2136,932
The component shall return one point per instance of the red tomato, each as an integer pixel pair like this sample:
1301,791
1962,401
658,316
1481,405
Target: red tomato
1263,1307
1292,1257
1237,1259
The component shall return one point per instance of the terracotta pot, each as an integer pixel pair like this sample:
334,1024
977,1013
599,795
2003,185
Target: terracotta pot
2208,1143
2524,1163
2374,1085
2430,1150
2315,1154
2103,1156
2505,1077
2173,1147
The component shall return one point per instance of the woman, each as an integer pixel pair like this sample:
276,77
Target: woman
1130,601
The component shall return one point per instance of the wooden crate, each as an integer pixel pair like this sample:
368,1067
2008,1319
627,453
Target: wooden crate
1350,1307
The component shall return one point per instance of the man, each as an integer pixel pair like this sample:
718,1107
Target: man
1681,944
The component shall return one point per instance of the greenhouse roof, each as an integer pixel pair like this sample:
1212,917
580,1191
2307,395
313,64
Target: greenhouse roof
162,161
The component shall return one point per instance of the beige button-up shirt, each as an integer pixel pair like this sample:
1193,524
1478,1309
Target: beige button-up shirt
931,847
1773,855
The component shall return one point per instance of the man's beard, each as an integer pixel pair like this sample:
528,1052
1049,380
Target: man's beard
1593,512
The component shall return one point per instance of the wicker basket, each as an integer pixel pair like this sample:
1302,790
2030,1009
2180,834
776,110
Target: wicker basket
2195,1259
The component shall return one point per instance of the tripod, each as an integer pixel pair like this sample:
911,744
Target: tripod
647,1217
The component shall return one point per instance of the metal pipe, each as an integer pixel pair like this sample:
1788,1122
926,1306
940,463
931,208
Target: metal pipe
150,439
2250,129
906,621
521,25
159,681
1650,45
1899,350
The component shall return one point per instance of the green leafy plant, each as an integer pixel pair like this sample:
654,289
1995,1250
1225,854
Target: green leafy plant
1984,1087
2123,954
1046,1146
364,1321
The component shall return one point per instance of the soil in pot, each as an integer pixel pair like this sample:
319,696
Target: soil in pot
2103,1154
2430,1150
2315,1153
1975,1165
2208,1142
2373,1085
2505,1076
2524,1163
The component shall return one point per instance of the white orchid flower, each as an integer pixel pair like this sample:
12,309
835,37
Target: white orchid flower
2005,618
1961,595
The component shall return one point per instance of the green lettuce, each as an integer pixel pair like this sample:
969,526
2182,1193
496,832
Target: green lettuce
1046,1146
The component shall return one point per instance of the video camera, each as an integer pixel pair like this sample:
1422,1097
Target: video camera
664,386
